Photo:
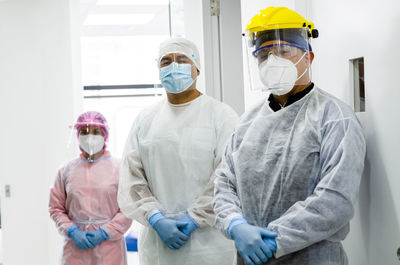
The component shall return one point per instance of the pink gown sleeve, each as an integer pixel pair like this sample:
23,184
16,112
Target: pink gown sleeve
57,205
118,226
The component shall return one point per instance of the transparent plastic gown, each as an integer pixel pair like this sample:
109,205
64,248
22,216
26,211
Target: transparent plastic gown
85,194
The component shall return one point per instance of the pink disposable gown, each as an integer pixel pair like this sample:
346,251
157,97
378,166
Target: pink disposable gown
85,194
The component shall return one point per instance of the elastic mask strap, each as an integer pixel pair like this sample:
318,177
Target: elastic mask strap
301,58
304,70
194,80
193,65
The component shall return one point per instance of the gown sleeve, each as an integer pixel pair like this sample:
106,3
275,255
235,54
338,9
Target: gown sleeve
57,209
226,202
118,226
135,199
201,211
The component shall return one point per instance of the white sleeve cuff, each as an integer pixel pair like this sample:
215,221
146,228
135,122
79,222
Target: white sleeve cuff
151,213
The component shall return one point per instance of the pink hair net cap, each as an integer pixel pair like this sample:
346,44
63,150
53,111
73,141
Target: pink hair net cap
92,118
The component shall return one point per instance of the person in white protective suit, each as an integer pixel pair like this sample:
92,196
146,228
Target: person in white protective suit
167,172
288,181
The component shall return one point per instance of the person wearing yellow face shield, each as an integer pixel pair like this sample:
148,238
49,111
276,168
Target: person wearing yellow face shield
288,182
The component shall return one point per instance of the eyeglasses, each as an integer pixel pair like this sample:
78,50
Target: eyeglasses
85,130
283,50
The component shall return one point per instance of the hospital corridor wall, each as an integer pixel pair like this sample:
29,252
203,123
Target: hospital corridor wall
368,29
39,98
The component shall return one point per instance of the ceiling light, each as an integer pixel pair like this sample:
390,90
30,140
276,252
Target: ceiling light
118,19
132,2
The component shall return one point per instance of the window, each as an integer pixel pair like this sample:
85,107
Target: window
119,49
357,66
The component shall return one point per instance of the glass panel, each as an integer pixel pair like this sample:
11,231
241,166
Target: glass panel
177,18
358,84
132,2
120,60
120,40
119,50
120,110
361,84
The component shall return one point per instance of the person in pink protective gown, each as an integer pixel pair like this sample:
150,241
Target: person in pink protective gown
83,201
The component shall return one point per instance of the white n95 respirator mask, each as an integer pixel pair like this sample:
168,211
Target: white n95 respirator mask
279,75
91,144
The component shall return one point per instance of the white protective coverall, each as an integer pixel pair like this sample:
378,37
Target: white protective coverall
168,166
297,172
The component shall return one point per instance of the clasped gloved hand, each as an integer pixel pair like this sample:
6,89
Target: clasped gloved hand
96,237
254,244
189,226
79,238
169,230
271,243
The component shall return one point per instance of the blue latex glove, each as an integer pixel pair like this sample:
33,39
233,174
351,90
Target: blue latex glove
271,243
249,241
169,230
79,238
190,225
96,237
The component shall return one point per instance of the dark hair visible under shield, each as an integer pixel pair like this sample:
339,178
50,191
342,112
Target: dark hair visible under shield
290,35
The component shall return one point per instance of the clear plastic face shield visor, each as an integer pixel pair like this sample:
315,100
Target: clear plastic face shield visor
91,136
278,59
91,139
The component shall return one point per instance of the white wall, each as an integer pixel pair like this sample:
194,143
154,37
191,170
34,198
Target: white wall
351,29
230,28
37,103
193,20
217,38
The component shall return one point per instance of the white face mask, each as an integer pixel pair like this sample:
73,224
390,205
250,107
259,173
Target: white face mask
91,144
278,74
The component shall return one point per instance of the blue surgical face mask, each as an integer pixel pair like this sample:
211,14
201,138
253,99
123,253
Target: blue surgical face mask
176,78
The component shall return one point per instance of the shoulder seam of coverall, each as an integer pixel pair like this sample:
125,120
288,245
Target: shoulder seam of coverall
139,119
243,119
219,125
336,121
63,176
334,100
325,188
135,129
